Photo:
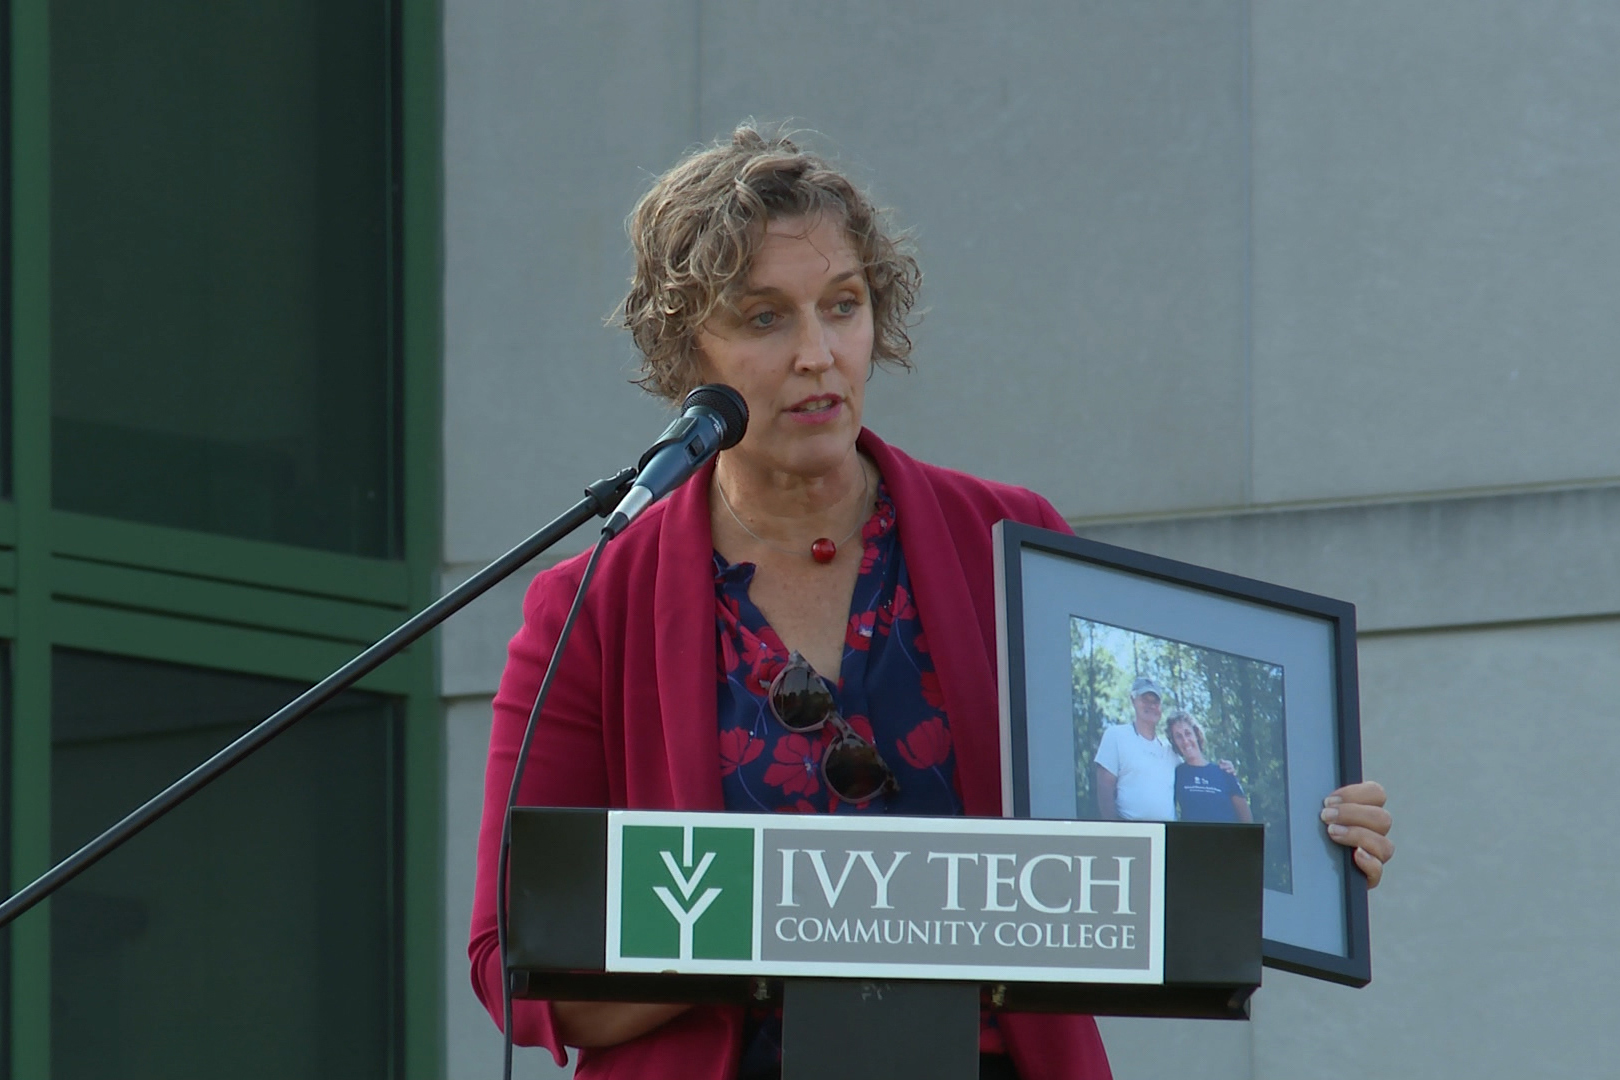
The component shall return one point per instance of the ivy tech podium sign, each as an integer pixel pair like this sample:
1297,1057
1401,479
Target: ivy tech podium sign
1116,918
862,897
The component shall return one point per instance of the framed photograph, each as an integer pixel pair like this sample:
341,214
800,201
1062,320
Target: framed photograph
1139,688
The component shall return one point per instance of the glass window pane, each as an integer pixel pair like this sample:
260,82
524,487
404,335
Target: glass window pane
221,249
6,107
253,932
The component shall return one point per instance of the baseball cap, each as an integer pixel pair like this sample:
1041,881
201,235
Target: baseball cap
1145,685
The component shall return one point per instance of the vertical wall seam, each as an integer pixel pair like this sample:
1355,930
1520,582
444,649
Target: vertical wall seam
697,71
1246,109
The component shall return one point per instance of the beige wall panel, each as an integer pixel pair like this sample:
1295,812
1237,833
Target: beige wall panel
1494,938
555,115
1153,1049
1075,174
1419,564
472,645
1436,246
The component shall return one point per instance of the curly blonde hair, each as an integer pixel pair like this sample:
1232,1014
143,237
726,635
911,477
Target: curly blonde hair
696,233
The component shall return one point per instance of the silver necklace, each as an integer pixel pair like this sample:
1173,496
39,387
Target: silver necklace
822,549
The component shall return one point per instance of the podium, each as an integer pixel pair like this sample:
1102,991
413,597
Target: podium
885,933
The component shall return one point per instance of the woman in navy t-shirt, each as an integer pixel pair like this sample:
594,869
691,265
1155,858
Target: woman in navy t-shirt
1204,792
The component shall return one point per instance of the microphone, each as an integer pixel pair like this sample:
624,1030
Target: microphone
713,418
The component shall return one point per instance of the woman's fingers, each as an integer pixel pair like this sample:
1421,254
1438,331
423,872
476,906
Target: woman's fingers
1373,843
1355,817
1370,792
1372,867
1374,818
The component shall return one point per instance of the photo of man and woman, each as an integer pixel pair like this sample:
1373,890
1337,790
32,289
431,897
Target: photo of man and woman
1167,731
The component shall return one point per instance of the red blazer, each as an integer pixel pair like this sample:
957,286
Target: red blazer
631,723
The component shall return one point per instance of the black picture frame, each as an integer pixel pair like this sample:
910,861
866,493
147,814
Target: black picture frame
1066,606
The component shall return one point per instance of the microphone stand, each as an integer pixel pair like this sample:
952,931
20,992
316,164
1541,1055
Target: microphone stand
601,498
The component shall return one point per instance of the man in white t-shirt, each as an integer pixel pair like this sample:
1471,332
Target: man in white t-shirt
1134,770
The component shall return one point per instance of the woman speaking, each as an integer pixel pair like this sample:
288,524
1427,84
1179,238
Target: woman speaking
808,625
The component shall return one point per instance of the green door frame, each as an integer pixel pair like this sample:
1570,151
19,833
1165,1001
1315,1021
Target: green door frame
78,581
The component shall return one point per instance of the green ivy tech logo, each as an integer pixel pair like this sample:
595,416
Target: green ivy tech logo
687,893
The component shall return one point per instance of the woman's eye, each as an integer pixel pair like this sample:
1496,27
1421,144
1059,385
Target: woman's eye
762,320
845,307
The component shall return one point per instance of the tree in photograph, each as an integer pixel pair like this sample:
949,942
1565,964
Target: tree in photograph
1245,725
1098,681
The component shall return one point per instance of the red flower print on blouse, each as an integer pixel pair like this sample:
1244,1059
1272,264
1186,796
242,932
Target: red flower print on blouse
920,642
750,645
763,669
882,519
861,726
797,770
858,635
869,556
737,748
928,745
930,690
728,656
899,608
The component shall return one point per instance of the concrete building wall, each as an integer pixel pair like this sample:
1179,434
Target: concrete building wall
1317,293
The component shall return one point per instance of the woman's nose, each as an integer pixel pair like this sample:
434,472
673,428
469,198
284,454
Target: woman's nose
814,346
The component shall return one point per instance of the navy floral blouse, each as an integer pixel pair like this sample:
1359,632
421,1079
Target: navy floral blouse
888,692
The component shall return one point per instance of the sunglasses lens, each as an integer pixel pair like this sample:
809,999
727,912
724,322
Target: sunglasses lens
800,699
802,702
855,771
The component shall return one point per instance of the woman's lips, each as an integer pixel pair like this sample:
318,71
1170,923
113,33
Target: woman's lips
821,410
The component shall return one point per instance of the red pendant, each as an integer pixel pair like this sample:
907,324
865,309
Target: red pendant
824,550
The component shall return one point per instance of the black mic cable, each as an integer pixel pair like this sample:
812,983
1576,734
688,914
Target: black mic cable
713,418
512,797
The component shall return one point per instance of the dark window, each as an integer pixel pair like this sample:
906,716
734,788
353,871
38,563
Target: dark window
222,268
5,270
253,932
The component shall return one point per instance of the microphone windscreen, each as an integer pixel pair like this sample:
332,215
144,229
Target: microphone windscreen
727,404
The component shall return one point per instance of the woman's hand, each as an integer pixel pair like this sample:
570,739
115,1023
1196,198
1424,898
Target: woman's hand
1356,818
